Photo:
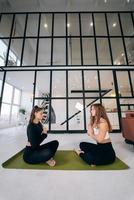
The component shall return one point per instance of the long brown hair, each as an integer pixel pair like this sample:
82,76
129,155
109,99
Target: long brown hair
32,116
100,113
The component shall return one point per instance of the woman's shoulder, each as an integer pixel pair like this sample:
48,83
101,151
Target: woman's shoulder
103,124
31,125
102,120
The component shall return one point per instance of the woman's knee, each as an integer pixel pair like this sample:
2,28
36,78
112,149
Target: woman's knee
56,143
87,158
46,155
81,145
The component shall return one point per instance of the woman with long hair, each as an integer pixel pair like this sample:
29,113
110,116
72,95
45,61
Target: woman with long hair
35,153
102,152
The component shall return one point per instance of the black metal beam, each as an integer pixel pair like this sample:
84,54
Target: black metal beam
85,107
88,91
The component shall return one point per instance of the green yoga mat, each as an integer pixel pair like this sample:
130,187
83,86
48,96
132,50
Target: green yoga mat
66,160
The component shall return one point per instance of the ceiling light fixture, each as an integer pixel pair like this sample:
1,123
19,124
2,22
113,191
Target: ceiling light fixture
114,24
105,1
91,24
45,25
128,1
68,25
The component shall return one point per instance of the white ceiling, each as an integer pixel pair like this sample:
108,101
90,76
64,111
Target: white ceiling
66,5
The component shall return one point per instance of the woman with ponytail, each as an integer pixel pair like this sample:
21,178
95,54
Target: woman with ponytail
35,153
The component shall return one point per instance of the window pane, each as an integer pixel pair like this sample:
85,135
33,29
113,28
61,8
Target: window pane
132,79
58,114
107,87
113,24
44,52
42,84
3,51
100,24
112,112
118,51
17,94
0,87
46,25
77,122
127,24
32,25
58,85
59,52
29,52
5,25
19,25
87,24
91,84
127,104
5,112
89,57
15,52
8,93
123,84
1,80
103,52
2,62
130,50
74,56
124,109
23,81
59,25
73,24
14,114
75,84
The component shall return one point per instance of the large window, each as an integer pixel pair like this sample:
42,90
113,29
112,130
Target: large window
13,57
17,97
67,96
10,104
62,39
65,62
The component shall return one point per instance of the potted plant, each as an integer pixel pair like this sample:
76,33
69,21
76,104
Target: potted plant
22,111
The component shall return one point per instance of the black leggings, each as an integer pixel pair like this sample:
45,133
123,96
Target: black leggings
41,154
97,154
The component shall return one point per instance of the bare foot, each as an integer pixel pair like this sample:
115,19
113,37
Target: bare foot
78,151
51,162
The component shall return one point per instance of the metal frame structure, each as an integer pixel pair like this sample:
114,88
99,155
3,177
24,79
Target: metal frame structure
67,67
